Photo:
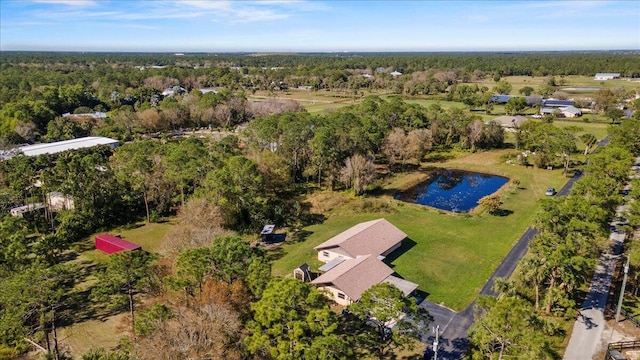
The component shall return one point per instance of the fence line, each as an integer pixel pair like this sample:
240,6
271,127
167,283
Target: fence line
630,317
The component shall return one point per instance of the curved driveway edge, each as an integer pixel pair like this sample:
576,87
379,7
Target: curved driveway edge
454,340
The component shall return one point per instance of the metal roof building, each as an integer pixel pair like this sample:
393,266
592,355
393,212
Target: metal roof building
110,244
501,99
60,146
557,103
607,76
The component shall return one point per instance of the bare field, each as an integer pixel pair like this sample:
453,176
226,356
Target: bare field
565,83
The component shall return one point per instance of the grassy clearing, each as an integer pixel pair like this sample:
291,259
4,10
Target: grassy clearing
315,102
83,336
450,256
444,104
518,82
600,130
149,236
105,331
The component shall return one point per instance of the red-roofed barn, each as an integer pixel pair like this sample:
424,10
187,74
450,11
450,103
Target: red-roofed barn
110,244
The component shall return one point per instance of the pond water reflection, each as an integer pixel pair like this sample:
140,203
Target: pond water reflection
453,190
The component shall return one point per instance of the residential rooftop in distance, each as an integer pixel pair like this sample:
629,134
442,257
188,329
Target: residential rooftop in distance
74,144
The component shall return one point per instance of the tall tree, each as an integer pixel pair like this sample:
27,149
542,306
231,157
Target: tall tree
133,165
292,320
589,140
186,164
209,331
507,327
502,87
358,173
233,259
193,266
395,148
32,301
238,189
382,305
515,104
126,274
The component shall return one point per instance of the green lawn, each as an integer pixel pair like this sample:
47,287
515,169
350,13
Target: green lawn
449,256
564,83
444,104
149,236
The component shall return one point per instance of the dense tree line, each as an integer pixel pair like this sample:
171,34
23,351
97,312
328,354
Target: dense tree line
516,63
37,88
322,148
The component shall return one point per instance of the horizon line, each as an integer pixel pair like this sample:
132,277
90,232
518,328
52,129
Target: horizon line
173,52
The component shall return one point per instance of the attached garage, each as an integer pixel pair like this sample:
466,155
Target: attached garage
110,244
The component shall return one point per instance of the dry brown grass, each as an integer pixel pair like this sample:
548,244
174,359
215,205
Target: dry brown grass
324,202
481,158
83,336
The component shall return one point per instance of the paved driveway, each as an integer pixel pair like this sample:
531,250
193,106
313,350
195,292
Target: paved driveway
454,326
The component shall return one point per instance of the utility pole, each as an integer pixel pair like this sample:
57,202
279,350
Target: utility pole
435,343
624,284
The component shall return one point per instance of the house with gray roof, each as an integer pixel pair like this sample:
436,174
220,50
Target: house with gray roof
566,111
571,111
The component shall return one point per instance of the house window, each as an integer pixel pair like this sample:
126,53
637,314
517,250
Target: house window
340,295
325,253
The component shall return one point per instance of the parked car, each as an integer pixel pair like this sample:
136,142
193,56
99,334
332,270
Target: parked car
550,192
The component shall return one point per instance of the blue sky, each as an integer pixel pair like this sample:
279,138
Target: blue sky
313,25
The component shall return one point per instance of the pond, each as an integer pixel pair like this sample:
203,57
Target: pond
453,190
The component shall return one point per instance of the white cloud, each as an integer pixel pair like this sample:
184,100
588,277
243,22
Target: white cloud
205,5
67,2
555,9
221,11
249,11
252,14
33,23
142,27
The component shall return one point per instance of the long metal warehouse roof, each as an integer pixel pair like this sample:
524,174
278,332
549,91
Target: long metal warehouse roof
60,146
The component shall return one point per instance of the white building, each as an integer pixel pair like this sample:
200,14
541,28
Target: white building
58,201
60,146
95,115
607,76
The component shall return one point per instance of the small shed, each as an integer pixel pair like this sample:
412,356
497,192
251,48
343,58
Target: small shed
268,233
110,244
303,273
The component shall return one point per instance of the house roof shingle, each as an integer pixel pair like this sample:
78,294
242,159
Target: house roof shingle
371,237
355,276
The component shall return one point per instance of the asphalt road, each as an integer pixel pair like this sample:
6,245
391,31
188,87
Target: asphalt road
588,328
586,337
454,326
